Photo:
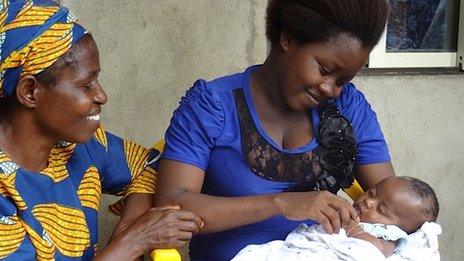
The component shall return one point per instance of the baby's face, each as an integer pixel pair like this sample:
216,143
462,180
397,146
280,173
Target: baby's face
390,203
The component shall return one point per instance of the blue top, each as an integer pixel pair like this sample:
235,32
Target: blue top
205,133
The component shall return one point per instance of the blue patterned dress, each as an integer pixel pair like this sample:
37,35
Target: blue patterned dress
53,214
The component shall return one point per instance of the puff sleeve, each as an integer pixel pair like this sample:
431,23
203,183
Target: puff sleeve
195,126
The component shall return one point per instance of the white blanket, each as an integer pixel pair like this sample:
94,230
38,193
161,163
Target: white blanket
312,243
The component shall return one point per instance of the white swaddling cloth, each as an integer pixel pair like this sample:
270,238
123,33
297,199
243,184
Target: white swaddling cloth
312,243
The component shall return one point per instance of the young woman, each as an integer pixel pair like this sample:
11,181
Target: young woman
258,152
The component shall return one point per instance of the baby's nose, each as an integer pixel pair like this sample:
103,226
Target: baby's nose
370,203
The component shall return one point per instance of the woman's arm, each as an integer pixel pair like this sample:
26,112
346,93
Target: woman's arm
180,183
371,174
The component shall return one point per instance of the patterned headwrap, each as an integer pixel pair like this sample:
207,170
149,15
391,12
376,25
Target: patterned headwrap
33,35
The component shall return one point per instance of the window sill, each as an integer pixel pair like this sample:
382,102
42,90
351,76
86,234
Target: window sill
410,71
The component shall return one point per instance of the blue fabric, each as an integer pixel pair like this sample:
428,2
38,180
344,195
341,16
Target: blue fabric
205,133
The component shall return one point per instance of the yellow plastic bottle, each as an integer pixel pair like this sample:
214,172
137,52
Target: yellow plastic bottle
165,255
354,191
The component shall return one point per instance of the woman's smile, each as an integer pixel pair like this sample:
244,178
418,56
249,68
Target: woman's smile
94,117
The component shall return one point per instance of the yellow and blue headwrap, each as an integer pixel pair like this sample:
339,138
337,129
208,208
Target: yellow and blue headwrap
33,35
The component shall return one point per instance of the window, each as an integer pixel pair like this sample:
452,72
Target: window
421,33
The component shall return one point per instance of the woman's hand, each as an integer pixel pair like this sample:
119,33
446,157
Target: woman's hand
327,209
160,227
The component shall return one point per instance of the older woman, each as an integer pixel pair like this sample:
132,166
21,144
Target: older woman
55,157
258,152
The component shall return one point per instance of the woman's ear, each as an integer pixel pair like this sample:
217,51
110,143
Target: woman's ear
285,41
26,90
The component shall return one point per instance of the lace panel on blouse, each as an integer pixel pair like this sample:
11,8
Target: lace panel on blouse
328,167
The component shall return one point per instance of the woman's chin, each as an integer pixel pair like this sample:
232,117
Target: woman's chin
83,136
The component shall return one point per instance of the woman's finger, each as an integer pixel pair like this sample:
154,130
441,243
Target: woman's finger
341,203
184,235
189,216
353,213
345,216
168,207
189,226
178,243
324,222
333,217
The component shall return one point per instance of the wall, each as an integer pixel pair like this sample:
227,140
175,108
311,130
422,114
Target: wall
153,50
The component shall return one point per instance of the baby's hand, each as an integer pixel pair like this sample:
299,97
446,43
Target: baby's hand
353,228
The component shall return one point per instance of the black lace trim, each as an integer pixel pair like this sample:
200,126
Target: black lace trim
328,167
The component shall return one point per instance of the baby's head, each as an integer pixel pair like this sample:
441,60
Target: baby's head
402,201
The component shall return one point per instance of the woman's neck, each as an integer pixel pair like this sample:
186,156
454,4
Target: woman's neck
266,92
265,87
22,141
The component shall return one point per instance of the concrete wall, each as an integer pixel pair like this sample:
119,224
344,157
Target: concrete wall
153,50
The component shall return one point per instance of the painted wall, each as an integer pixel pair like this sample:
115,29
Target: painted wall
153,50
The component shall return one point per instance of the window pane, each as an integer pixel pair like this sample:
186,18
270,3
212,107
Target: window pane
423,26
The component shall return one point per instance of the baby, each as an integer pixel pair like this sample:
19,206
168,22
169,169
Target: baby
389,212
404,202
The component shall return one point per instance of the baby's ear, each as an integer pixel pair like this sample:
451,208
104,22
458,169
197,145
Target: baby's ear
26,90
